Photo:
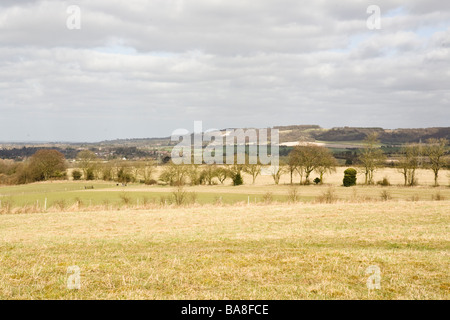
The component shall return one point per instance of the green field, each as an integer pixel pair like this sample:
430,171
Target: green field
44,196
111,194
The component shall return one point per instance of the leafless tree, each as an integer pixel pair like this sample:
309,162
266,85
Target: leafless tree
409,163
435,151
371,157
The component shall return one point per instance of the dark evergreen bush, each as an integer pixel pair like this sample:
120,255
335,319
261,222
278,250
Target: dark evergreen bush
349,177
237,180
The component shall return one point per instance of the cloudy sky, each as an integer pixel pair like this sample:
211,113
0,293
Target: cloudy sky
143,68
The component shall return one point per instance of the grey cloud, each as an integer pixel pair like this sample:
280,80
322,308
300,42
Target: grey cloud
229,63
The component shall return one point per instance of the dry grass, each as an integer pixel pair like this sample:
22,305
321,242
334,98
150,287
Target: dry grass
282,251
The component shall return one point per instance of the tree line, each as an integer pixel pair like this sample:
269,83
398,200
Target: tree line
302,161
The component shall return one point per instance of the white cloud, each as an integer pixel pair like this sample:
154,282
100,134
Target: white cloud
144,68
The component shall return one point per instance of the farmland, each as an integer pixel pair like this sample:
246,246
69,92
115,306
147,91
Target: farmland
241,247
307,251
111,195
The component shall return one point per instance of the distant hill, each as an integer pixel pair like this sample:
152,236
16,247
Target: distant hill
348,134
294,133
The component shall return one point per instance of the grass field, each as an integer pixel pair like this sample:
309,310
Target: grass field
304,251
68,194
239,249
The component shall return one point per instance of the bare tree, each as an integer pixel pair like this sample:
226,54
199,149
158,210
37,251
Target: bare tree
309,158
194,174
435,151
144,169
409,163
253,169
87,161
277,172
292,165
326,163
222,174
208,174
301,172
137,170
371,157
149,167
173,174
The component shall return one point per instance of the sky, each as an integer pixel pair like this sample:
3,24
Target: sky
109,69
